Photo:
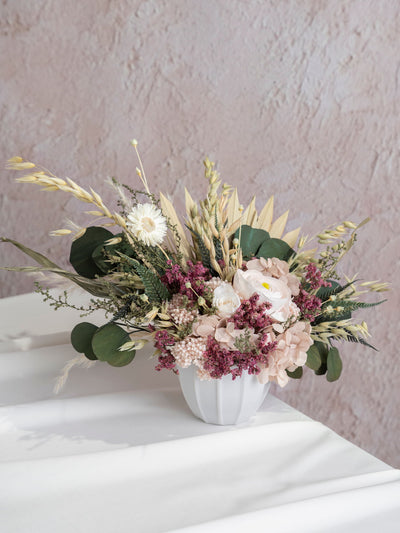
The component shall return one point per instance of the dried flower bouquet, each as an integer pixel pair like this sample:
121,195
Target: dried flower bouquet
225,290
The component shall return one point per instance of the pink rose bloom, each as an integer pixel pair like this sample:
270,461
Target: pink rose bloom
277,269
226,334
271,290
290,353
205,325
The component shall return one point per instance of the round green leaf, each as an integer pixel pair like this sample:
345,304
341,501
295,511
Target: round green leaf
122,359
106,343
314,359
81,339
334,364
250,240
317,355
275,248
321,370
82,249
296,374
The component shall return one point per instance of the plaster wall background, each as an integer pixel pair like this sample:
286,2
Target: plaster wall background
299,99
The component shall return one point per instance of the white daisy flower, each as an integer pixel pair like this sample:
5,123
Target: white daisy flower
147,223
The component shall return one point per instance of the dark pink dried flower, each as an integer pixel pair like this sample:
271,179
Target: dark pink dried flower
314,277
162,340
308,304
167,362
252,314
190,283
219,361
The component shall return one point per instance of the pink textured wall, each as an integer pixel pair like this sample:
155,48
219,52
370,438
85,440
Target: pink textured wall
295,98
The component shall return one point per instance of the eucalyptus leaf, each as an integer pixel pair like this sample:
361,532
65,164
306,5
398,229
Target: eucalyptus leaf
256,242
314,360
317,356
81,339
296,374
334,364
83,248
251,240
106,343
275,248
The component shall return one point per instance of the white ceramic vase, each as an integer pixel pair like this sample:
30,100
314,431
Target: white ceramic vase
222,401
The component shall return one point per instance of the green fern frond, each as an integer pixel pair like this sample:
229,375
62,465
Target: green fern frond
360,340
324,293
153,286
155,290
361,305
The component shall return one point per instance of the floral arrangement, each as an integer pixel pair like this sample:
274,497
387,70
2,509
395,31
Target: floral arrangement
225,289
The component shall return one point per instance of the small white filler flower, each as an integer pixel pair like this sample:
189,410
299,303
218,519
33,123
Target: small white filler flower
147,223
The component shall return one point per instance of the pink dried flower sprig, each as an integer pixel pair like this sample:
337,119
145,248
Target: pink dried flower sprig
162,341
309,304
213,357
314,277
219,361
252,314
190,283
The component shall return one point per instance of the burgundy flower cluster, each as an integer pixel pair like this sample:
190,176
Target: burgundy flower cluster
219,361
308,304
314,277
251,314
264,345
162,340
180,282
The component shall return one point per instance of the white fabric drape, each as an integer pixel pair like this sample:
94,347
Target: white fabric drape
118,451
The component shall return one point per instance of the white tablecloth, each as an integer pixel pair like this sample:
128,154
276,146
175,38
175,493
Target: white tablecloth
118,451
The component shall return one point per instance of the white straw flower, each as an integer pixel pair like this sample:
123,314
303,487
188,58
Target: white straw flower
147,224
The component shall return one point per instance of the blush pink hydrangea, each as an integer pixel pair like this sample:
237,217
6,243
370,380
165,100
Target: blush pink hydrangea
290,353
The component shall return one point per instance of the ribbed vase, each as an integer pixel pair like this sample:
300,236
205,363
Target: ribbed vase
222,401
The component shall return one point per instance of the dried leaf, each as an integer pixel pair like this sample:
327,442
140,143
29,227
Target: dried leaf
250,214
265,217
169,212
291,237
232,208
189,202
278,226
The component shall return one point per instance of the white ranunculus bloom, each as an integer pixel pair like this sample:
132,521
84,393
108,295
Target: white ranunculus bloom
269,289
147,223
225,300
